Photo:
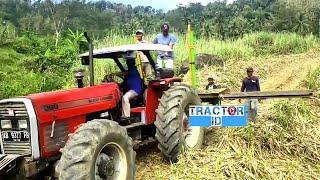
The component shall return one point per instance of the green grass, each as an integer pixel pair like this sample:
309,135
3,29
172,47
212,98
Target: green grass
251,45
313,79
15,80
264,43
248,48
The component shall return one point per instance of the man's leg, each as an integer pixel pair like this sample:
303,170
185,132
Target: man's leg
249,115
147,70
126,102
160,62
254,103
169,63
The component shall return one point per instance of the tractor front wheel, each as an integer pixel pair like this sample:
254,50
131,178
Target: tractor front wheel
99,149
174,134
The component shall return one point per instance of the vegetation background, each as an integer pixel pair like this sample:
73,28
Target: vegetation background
40,42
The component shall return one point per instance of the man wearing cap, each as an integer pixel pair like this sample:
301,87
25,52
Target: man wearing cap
165,59
211,84
249,84
146,67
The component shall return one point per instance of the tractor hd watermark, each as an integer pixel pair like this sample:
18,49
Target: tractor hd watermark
224,116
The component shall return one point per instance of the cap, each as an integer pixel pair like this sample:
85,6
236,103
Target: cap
139,31
249,69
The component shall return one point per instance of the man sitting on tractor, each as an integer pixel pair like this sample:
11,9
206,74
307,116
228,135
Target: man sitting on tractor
133,84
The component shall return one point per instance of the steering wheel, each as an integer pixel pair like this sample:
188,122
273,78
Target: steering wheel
108,78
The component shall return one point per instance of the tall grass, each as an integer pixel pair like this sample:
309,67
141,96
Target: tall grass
265,43
248,48
251,45
313,79
281,145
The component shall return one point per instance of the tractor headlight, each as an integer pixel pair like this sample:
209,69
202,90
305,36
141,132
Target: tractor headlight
23,124
6,124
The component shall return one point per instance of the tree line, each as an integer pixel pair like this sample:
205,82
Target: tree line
217,19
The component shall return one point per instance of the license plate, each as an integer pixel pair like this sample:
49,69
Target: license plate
15,136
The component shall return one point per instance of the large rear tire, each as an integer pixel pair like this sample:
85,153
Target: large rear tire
174,133
99,149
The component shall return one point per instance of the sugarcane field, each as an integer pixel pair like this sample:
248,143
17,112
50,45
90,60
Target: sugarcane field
159,90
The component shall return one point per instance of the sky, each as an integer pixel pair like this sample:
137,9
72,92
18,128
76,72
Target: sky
163,4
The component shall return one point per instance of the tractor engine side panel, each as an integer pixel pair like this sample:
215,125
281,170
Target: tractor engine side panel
60,113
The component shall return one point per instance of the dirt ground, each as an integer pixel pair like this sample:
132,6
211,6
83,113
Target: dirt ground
283,73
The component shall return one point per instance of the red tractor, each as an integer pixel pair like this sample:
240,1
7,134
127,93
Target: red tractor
78,133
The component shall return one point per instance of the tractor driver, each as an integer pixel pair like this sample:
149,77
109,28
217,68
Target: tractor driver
133,84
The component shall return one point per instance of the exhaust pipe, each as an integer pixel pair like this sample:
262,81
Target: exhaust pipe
90,58
79,74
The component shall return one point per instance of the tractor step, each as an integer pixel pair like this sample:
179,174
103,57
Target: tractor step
137,109
130,126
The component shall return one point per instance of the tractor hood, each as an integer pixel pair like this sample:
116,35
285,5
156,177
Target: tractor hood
74,102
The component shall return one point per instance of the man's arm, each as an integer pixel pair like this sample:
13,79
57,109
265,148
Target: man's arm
243,86
155,40
172,41
120,73
258,84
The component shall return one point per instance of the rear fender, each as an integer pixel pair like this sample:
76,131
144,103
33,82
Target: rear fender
154,93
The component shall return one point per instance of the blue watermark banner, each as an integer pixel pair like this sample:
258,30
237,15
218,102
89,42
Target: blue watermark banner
235,116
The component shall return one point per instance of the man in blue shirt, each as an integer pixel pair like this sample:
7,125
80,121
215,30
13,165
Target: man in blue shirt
133,82
165,59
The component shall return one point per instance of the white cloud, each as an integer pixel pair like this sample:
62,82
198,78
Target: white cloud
203,2
163,4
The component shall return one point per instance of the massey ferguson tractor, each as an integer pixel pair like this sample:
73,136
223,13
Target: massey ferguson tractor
79,133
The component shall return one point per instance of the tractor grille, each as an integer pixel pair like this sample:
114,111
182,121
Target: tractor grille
15,111
17,148
18,108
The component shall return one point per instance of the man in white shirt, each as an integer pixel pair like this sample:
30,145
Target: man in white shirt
146,67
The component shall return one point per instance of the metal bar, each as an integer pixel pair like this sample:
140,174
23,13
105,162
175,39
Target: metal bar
116,60
133,125
206,96
91,69
269,94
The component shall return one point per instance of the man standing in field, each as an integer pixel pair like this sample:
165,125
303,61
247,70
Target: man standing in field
146,67
211,84
165,59
249,84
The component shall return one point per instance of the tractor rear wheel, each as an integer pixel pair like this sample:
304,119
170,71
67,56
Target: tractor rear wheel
174,133
99,149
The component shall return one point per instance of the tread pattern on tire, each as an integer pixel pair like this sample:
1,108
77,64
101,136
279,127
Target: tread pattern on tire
77,155
168,123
